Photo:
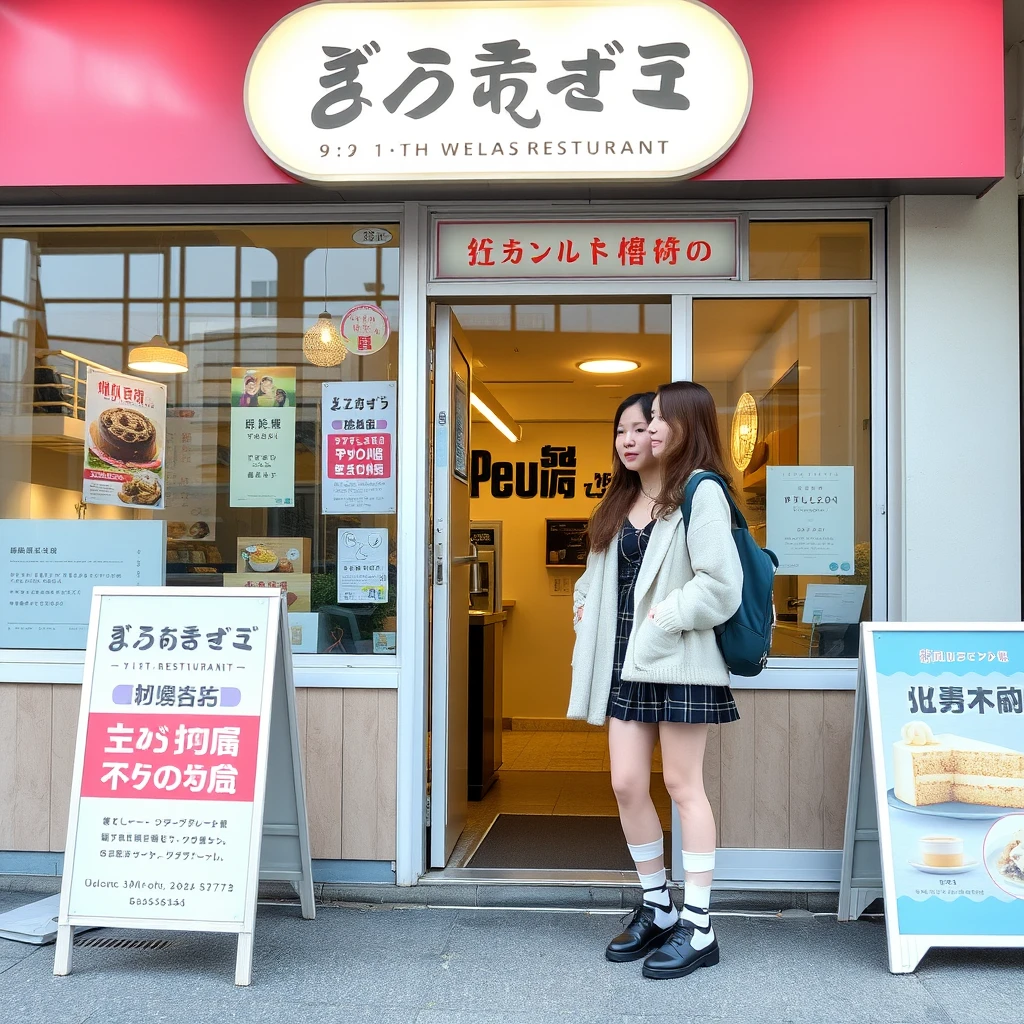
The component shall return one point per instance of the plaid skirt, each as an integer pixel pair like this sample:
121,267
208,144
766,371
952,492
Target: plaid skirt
655,702
692,703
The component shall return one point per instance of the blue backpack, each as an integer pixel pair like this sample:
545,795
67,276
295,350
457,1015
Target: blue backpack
746,638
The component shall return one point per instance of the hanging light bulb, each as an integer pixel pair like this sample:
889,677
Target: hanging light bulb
322,344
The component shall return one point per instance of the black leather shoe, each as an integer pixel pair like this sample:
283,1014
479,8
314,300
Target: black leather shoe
676,958
640,937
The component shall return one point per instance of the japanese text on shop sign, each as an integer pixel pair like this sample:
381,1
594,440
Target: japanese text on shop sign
955,700
171,757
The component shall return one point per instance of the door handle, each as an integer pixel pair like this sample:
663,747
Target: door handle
465,559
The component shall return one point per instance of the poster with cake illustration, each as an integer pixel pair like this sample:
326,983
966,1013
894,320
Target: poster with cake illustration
124,442
262,449
946,712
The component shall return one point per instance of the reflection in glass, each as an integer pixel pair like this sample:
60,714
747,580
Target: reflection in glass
798,372
808,250
230,298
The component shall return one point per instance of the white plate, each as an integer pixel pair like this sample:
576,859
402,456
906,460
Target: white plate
1008,885
968,865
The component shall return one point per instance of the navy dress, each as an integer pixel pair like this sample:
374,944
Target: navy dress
655,702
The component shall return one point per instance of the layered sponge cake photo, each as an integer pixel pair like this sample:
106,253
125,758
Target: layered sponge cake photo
944,768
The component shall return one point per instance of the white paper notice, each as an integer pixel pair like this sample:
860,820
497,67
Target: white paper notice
362,566
48,568
810,519
833,602
358,446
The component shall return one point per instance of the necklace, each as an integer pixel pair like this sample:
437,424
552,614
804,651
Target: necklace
649,497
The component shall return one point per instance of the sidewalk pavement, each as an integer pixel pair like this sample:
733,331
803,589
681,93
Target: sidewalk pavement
387,964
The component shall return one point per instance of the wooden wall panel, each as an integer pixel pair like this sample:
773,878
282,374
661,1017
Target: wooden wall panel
32,768
806,769
771,769
361,779
838,736
387,783
324,771
736,826
66,703
8,760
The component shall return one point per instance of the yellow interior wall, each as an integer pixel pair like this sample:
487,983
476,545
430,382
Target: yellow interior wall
538,633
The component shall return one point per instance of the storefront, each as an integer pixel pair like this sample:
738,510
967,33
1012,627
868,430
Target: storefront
798,206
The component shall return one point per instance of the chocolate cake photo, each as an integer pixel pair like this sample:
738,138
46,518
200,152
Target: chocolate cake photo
125,437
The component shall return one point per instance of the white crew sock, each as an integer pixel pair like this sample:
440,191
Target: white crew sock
656,895
655,883
696,901
697,898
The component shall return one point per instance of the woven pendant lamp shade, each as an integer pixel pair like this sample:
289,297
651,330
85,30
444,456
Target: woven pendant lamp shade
322,345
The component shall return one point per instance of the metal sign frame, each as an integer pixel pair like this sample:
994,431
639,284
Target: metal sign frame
278,731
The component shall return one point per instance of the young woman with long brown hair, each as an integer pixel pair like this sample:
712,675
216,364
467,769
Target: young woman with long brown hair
646,657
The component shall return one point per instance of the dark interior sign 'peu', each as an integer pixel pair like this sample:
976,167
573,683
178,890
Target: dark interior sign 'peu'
568,89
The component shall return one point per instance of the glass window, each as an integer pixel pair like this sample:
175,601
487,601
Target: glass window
838,250
237,301
792,383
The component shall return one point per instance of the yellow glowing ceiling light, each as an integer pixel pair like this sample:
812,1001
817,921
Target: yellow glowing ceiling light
608,365
494,412
156,356
322,344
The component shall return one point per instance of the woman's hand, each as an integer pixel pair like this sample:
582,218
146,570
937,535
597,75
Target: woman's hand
579,614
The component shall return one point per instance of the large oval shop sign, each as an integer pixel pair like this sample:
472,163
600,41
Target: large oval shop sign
503,89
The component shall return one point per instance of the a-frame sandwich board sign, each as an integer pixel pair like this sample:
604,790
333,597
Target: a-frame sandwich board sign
187,785
940,707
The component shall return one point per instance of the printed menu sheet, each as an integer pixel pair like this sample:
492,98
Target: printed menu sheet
50,566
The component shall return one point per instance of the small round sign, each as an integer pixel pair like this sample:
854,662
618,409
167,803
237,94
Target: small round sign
366,329
372,236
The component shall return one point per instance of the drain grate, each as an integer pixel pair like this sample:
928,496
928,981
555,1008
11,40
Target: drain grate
109,942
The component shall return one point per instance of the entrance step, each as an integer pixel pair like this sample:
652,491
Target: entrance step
537,894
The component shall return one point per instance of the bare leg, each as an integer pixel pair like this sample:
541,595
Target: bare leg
631,746
682,751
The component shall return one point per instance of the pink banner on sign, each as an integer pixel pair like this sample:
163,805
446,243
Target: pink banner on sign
171,757
359,456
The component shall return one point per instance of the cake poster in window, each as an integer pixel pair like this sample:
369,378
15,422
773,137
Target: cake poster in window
124,443
262,437
951,718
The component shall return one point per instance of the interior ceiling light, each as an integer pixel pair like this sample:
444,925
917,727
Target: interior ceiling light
608,365
494,412
322,344
156,356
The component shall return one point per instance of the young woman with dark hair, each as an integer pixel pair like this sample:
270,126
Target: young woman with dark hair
646,657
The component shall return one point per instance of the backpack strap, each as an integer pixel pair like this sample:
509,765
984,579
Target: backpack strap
691,488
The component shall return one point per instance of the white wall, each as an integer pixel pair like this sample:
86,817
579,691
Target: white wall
955,342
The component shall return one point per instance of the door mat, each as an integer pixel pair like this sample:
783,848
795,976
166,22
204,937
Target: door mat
566,842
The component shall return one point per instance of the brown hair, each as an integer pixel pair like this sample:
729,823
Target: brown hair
624,489
690,411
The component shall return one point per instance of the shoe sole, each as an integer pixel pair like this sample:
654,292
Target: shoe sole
709,960
639,954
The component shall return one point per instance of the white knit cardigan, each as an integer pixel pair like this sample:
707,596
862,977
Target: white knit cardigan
692,578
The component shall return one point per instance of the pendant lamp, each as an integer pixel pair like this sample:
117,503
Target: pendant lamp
322,344
156,356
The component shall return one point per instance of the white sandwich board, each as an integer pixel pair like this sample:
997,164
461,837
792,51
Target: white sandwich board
935,818
188,785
